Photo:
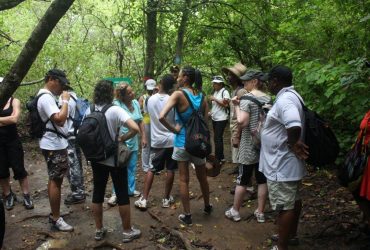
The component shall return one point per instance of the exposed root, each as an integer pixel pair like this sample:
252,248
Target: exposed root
36,216
154,216
47,234
107,244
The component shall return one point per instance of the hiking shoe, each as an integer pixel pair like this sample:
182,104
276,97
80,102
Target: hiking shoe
27,202
71,199
259,216
274,248
186,219
208,209
294,241
62,226
9,200
100,233
112,200
232,214
135,194
133,234
167,202
141,203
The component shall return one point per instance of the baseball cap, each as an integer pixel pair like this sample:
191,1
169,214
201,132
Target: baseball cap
217,79
150,84
252,74
280,72
61,76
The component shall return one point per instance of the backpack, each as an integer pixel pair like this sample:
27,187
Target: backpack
262,113
319,137
81,106
197,137
93,136
37,127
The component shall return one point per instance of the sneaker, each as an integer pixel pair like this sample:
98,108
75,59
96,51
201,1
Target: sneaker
9,200
232,214
100,233
274,248
294,241
167,202
186,219
112,200
135,194
141,203
71,199
208,209
27,202
259,216
133,234
62,226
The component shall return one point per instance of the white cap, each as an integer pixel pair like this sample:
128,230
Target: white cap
150,84
217,79
1,79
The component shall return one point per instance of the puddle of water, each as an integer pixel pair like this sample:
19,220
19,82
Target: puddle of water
52,244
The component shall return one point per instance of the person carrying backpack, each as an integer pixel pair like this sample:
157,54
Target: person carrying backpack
115,117
187,77
75,173
247,114
53,142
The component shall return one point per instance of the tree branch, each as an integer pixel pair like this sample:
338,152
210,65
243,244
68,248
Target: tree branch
8,4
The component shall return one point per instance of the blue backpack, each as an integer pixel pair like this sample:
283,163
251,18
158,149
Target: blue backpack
81,107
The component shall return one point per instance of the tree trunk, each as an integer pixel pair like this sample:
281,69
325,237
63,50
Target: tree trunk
151,37
181,32
32,48
8,4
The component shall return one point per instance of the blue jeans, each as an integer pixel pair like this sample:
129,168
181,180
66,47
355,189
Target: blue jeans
131,172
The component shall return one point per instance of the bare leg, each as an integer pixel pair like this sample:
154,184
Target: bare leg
5,185
286,226
149,177
262,196
202,178
24,185
54,191
297,213
125,213
238,197
184,185
169,183
97,209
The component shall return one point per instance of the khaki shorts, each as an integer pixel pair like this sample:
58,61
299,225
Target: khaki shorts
180,154
283,195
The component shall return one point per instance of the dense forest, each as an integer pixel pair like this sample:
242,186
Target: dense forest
326,43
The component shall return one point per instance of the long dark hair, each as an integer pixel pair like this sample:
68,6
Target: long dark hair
103,92
194,75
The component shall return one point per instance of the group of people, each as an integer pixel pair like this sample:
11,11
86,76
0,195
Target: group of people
159,118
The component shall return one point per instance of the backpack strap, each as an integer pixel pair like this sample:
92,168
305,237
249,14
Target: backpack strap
253,99
303,106
106,107
190,102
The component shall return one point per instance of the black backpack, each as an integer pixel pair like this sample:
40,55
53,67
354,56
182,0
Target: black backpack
37,127
197,138
319,137
93,136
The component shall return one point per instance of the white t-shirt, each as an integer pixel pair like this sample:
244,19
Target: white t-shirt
161,137
116,117
47,106
219,113
71,112
277,161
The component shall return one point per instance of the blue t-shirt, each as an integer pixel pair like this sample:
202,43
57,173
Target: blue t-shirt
180,137
133,143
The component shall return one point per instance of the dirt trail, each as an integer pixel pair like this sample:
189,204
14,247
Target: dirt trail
329,219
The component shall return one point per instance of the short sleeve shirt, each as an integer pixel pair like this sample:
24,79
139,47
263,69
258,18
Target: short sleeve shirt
248,154
277,161
71,112
219,113
47,106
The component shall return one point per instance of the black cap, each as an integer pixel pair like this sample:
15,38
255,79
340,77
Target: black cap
282,73
61,76
252,74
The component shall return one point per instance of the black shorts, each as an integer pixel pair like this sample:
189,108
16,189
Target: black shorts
245,174
57,162
161,157
12,156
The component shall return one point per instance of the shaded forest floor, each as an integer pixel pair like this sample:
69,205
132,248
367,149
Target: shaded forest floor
330,218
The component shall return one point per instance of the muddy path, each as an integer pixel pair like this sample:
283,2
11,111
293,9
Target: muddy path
330,218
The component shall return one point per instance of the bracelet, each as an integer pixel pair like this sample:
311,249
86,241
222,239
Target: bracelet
64,101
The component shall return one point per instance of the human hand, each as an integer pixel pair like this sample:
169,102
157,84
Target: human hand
300,150
144,143
177,128
235,141
235,100
65,96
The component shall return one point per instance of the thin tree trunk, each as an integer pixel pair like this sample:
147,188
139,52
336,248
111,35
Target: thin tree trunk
8,4
151,37
31,49
181,32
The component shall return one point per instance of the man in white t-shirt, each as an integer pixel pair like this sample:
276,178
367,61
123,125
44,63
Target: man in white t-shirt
283,153
75,172
220,115
54,143
161,145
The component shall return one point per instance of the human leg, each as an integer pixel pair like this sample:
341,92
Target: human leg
131,172
184,185
200,171
219,127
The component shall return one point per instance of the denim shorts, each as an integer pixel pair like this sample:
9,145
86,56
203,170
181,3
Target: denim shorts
180,154
283,195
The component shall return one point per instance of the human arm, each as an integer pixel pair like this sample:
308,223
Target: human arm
242,117
205,109
144,140
295,144
133,130
13,118
222,102
172,101
61,117
141,103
